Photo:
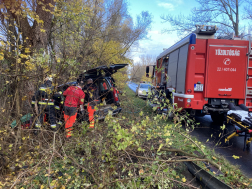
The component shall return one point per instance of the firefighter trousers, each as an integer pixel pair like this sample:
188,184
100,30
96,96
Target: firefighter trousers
91,111
70,114
59,115
50,111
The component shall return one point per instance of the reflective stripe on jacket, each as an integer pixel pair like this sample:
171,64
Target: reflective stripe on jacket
44,95
45,103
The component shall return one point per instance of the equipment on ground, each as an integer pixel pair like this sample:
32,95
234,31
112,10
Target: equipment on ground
25,120
241,119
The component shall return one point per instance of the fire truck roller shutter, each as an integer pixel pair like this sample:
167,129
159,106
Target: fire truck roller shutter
172,68
181,72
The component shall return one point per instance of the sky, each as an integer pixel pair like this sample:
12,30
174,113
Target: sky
157,41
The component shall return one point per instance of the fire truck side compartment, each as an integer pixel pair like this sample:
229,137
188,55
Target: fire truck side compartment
195,60
172,68
181,71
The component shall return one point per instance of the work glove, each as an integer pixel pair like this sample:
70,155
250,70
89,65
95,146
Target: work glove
82,109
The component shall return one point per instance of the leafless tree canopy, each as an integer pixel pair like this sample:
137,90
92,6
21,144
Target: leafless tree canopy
226,14
137,72
64,38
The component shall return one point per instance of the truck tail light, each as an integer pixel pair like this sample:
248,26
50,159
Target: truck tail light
115,95
188,105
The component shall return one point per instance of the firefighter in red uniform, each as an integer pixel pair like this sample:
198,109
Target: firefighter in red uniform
92,97
74,96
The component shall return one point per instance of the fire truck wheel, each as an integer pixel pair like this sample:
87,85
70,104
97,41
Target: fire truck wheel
248,145
218,118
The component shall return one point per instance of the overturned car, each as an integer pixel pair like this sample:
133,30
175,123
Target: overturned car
108,99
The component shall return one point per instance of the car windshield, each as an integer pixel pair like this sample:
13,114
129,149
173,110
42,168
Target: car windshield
145,86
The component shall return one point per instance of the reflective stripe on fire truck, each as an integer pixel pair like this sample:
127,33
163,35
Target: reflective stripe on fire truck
183,95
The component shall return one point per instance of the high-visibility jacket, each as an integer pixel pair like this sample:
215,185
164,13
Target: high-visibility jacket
44,94
74,96
57,99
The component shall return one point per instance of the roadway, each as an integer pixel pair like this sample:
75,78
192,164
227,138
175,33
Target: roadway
207,128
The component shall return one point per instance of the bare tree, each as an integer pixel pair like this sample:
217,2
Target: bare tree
223,13
137,71
248,13
74,35
111,22
34,31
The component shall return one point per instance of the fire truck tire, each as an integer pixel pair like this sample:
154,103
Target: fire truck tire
218,118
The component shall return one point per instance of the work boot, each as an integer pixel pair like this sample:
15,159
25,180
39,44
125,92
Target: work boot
59,124
68,132
37,128
54,127
91,124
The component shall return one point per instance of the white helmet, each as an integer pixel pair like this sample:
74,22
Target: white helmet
48,78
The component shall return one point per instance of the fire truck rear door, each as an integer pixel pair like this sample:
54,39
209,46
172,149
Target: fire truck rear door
226,71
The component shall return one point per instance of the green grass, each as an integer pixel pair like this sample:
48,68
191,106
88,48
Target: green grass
136,133
232,175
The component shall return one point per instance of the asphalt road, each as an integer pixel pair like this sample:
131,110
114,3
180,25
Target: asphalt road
235,147
132,86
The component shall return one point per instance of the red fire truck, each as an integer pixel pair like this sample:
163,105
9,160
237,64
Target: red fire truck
205,74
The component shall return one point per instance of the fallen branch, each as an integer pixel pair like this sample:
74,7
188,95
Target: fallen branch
83,169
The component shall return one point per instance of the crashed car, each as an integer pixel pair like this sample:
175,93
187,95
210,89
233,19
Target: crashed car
108,94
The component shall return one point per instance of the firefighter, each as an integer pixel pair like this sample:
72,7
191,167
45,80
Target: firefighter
58,107
45,104
74,97
92,97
